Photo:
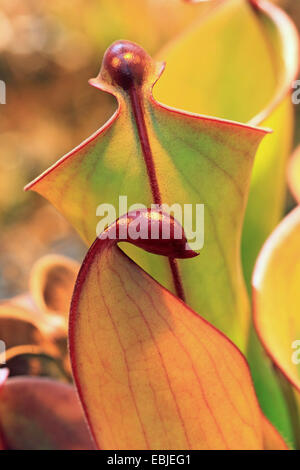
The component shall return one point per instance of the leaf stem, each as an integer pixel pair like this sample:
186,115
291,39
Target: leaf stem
138,112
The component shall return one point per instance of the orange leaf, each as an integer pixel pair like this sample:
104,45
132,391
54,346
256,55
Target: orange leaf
150,372
272,438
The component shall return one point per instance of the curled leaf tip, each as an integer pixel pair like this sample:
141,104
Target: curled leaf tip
126,65
153,230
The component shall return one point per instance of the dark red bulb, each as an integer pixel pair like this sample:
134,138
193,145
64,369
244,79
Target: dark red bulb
126,63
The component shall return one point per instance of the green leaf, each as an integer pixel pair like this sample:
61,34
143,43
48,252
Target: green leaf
153,154
238,62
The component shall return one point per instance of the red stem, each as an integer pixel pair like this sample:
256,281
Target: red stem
138,112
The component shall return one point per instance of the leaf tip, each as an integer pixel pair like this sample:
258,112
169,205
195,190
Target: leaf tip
154,231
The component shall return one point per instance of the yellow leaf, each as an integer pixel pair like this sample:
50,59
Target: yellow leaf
276,296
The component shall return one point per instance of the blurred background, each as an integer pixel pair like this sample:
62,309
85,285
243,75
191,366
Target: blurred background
48,51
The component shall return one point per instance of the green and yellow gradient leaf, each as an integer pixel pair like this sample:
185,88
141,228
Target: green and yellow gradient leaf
246,79
155,154
268,183
276,309
216,72
276,296
142,21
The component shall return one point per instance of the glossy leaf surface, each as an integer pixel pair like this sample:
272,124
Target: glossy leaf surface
150,372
